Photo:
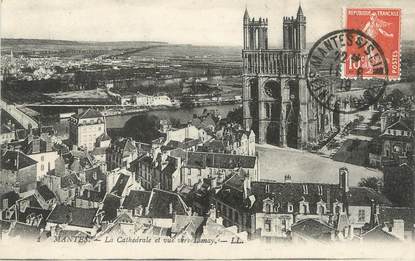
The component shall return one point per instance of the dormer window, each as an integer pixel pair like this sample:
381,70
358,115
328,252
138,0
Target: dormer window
305,189
290,208
304,208
320,190
321,207
266,188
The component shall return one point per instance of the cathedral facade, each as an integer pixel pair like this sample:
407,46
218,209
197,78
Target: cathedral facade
277,105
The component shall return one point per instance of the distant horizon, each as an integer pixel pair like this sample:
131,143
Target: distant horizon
196,22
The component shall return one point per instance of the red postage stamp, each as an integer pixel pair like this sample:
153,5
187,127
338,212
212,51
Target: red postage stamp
383,26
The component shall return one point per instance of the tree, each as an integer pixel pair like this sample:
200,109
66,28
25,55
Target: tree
142,128
235,116
371,182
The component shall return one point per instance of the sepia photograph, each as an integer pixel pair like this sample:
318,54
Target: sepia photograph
215,129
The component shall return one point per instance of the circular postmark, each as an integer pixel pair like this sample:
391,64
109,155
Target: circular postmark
346,71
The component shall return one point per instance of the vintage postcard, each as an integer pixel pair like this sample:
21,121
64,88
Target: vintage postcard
218,129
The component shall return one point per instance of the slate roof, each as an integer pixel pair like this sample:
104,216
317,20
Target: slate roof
170,168
70,180
120,185
9,159
111,204
89,113
25,231
93,195
12,197
81,217
378,235
126,145
190,224
136,198
160,201
21,216
399,125
284,193
388,214
313,228
45,192
218,160
362,196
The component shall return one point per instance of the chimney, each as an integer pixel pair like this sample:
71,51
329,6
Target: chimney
344,179
171,208
287,179
60,167
212,212
398,228
247,186
48,141
36,145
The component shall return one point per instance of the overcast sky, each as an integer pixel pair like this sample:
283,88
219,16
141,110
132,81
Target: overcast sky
205,22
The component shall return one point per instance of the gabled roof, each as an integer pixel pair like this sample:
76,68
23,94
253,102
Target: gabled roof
126,145
189,224
362,196
160,202
399,125
378,235
92,195
111,204
81,217
120,185
25,231
89,113
388,214
313,228
136,198
29,211
218,160
11,159
170,168
45,192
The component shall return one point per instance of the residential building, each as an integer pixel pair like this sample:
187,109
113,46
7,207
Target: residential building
18,171
65,217
268,209
85,128
121,153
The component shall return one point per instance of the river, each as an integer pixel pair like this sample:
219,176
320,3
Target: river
184,114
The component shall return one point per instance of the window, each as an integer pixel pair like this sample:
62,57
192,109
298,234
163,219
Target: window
5,203
42,158
48,166
361,215
268,208
290,208
42,167
236,217
305,189
266,188
320,190
267,225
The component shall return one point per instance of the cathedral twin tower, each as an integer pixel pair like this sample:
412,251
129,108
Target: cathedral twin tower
276,101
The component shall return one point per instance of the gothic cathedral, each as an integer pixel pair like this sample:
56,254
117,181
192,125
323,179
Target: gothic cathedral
276,101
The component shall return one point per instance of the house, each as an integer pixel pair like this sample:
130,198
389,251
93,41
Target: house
268,209
199,165
399,221
8,205
312,230
67,217
18,171
41,150
397,141
158,207
85,128
121,153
